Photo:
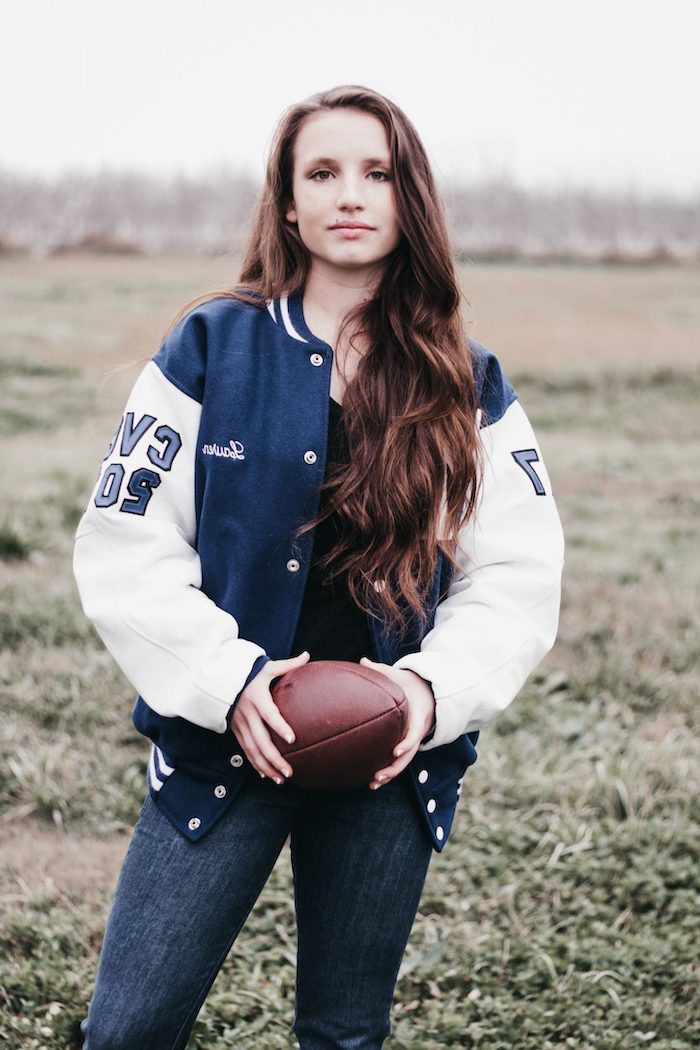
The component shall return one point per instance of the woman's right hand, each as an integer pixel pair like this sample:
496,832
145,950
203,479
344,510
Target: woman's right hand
255,710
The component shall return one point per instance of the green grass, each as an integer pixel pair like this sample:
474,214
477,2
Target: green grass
13,547
39,397
564,910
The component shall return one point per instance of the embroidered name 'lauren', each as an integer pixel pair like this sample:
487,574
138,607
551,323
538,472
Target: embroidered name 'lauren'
234,450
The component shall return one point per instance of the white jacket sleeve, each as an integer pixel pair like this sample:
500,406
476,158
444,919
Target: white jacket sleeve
139,574
500,615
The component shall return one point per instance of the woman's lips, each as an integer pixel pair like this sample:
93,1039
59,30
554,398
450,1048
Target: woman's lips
351,232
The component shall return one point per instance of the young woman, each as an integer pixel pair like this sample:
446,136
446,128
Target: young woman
317,464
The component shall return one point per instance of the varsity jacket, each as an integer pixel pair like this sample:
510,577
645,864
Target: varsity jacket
185,563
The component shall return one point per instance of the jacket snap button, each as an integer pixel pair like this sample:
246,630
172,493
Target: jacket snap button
316,359
193,823
310,456
422,776
236,761
293,565
220,791
431,806
439,834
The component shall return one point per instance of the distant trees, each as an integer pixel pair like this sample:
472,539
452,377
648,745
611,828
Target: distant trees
499,219
131,212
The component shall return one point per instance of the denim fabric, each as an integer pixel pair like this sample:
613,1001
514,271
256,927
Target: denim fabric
359,860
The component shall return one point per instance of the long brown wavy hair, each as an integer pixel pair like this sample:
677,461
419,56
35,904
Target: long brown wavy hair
410,411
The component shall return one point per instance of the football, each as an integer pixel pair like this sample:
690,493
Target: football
347,720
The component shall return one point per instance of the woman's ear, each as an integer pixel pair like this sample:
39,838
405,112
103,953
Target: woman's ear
291,215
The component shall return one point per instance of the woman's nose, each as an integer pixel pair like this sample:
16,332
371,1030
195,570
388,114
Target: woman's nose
349,193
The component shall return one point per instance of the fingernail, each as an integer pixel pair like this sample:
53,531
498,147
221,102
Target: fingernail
381,778
262,776
287,772
278,781
374,787
399,751
289,739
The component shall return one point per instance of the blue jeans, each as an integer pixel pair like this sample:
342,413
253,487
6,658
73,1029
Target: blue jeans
359,860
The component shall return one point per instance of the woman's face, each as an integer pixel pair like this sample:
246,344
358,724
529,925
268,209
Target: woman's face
343,192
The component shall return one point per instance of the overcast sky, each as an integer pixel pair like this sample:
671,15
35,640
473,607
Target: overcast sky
601,94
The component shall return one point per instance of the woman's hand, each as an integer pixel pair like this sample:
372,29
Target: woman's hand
421,712
255,710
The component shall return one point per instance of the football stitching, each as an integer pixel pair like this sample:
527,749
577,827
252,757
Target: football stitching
336,736
358,674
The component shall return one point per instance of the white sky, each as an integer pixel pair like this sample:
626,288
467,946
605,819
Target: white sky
601,93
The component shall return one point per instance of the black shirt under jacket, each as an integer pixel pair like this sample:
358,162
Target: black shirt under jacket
331,626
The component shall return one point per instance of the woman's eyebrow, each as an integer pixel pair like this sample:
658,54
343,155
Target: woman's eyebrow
331,162
321,162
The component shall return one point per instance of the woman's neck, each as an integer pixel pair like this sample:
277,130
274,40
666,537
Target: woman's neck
328,300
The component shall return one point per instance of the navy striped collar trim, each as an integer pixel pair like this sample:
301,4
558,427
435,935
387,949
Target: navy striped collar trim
288,312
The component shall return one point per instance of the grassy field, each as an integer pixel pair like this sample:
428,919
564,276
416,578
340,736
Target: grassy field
564,911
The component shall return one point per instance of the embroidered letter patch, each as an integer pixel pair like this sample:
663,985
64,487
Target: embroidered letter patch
234,450
142,481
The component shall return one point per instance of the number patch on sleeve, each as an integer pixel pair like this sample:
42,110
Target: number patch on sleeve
525,457
141,485
142,481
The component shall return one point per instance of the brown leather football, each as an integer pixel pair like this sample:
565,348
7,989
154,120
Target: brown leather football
347,720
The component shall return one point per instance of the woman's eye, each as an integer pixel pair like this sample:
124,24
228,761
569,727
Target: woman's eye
379,176
321,176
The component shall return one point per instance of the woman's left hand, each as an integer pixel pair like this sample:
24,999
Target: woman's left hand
421,712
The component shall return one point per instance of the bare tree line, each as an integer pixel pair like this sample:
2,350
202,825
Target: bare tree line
122,212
